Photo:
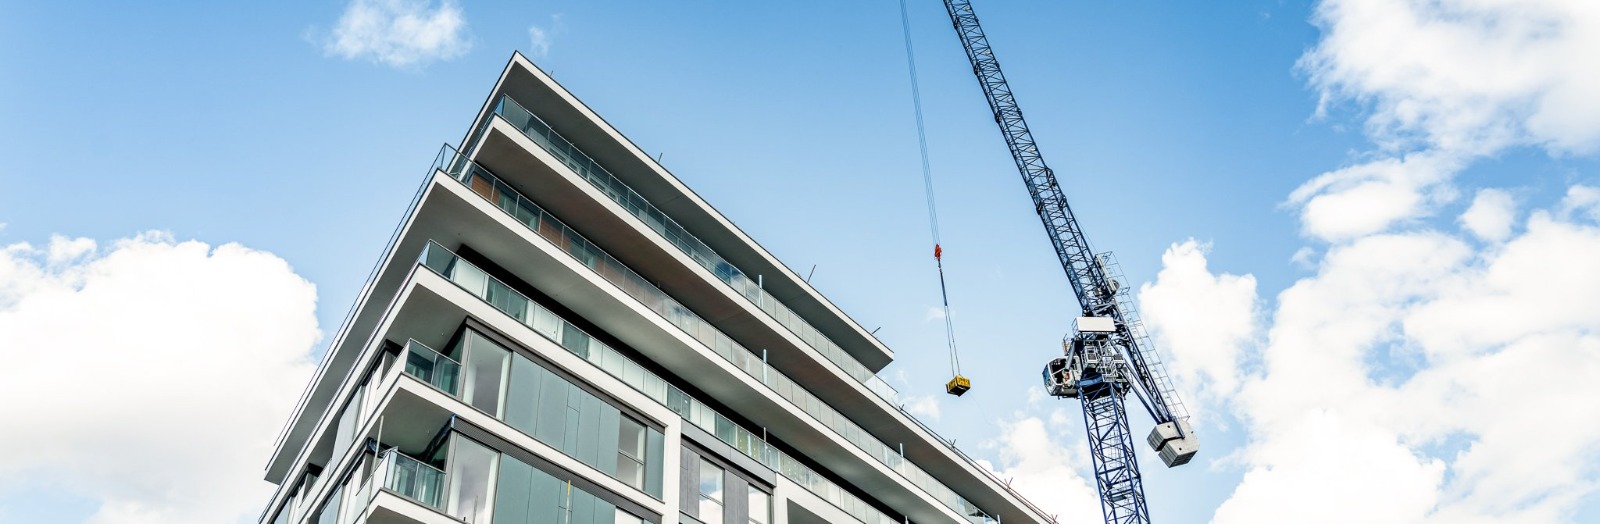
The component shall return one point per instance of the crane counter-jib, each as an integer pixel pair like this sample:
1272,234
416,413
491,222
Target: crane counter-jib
1103,360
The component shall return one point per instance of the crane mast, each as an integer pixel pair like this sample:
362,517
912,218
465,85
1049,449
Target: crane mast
1108,355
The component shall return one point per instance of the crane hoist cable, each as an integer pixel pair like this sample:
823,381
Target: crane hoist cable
958,384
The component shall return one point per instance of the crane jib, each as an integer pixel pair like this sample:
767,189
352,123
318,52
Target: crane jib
1113,348
1089,282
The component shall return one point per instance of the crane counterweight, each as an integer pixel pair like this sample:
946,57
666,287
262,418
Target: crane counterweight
1107,355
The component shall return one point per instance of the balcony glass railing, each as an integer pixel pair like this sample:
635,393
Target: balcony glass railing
432,367
411,478
677,235
486,185
576,341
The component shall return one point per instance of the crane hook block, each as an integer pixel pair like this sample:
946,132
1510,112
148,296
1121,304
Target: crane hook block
958,385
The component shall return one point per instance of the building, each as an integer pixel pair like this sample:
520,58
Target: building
562,332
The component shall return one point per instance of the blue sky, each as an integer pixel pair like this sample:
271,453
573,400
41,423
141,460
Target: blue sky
1166,122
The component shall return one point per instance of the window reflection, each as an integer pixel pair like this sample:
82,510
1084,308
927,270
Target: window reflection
471,478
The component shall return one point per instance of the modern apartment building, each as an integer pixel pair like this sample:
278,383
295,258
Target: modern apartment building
562,332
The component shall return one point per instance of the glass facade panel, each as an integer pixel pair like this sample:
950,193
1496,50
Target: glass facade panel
329,513
486,369
760,506
513,491
471,481
588,445
698,414
610,419
528,495
522,395
711,482
344,432
630,453
623,517
552,410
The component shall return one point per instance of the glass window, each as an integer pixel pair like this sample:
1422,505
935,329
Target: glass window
710,510
624,517
330,508
285,512
630,453
760,506
472,475
344,430
486,369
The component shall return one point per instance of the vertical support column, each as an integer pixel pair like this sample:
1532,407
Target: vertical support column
1116,470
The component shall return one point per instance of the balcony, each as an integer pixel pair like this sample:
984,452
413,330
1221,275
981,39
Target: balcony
429,366
678,236
409,478
465,482
524,310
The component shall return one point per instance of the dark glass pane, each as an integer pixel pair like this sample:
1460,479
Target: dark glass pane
522,395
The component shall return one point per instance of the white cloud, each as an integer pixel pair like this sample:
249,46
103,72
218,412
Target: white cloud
924,406
1415,377
1404,381
1045,469
1469,76
1446,83
1583,202
541,38
150,377
64,249
1370,197
1491,215
399,33
538,42
1201,318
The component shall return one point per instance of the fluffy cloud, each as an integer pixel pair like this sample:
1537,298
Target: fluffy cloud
926,407
541,38
1470,76
399,33
1203,319
1491,215
195,356
1403,381
1446,83
1415,376
1046,469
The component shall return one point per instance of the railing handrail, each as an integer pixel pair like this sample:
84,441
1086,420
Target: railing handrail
710,265
411,341
769,455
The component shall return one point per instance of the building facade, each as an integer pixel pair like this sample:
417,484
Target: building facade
562,332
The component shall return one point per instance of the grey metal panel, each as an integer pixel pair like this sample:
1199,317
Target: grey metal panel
689,482
735,499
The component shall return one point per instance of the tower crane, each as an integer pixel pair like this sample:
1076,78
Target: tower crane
1107,355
